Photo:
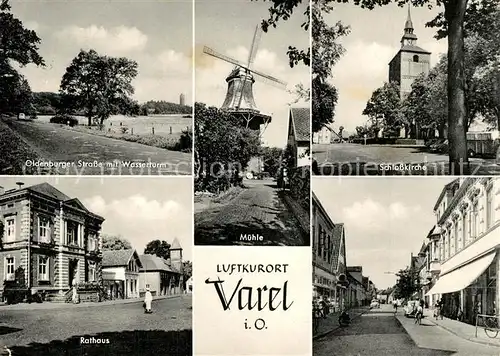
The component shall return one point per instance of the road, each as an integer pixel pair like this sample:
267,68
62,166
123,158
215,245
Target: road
56,144
51,331
379,332
257,210
356,159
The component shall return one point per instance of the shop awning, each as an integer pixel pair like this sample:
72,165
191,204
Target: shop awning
462,277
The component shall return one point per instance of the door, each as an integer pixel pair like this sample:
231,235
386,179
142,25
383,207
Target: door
73,271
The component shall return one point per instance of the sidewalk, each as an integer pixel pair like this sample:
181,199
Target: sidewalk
54,305
429,335
331,322
464,330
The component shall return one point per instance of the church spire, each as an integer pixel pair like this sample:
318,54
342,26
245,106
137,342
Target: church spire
409,38
409,23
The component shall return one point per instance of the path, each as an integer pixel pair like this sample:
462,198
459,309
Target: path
258,210
57,144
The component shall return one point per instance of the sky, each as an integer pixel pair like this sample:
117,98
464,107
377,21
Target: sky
228,28
138,209
157,34
385,220
374,40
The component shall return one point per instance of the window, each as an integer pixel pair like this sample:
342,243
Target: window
71,233
489,207
44,229
10,268
415,58
43,268
475,221
320,242
92,272
464,229
92,245
455,232
10,229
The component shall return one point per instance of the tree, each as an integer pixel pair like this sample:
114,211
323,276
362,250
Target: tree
187,269
271,157
453,22
158,248
407,284
99,85
384,105
111,242
223,147
17,43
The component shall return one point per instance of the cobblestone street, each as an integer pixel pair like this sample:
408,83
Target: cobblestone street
130,331
380,332
258,210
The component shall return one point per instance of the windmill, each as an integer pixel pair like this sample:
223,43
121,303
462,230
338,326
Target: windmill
239,99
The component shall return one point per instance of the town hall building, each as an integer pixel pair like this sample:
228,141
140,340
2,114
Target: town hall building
49,241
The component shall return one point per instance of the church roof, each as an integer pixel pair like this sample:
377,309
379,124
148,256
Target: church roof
152,263
176,245
416,49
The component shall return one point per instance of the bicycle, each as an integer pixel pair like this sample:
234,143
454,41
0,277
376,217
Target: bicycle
418,318
491,327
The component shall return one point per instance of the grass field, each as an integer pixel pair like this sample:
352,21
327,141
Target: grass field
161,125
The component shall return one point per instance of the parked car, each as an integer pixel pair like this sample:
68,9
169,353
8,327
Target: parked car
411,308
439,147
374,304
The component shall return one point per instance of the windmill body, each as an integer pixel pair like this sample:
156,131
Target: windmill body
239,99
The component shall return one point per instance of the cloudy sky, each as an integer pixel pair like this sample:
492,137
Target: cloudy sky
374,40
139,209
228,27
385,219
156,34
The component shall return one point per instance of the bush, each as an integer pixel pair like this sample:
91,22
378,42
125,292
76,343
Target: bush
185,143
64,119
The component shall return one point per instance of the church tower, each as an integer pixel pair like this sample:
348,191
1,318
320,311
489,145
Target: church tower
410,61
176,255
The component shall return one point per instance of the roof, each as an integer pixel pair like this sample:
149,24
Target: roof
443,192
416,49
152,263
116,258
175,245
354,269
301,121
337,243
48,190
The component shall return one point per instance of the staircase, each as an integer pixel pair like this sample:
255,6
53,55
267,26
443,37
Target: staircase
60,298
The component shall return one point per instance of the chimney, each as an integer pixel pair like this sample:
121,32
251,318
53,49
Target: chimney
19,185
2,190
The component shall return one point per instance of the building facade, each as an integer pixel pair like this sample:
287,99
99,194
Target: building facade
323,136
329,258
299,136
410,62
50,241
467,242
120,273
163,277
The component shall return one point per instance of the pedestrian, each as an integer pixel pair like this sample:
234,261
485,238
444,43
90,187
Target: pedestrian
419,314
74,296
325,308
148,299
395,304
